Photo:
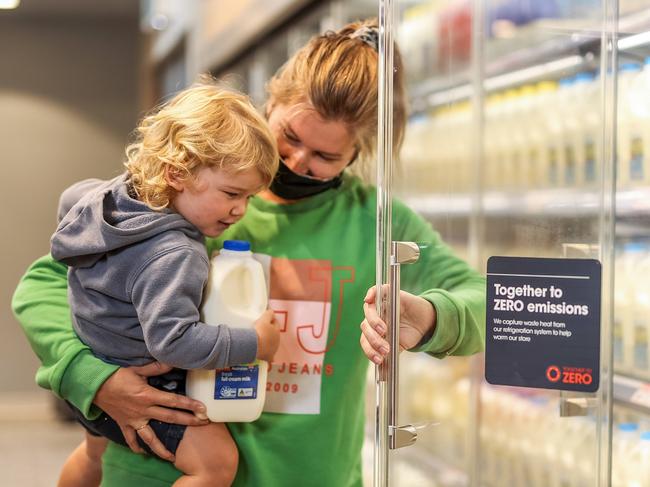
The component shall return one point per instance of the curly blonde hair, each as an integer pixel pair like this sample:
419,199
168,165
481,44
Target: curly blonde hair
204,125
337,74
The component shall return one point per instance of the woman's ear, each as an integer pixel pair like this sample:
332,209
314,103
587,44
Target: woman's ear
174,179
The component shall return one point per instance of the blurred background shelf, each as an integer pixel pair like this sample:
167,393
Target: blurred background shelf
546,49
632,392
567,202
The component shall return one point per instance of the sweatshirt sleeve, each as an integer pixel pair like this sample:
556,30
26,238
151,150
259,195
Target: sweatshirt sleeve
68,367
167,291
456,291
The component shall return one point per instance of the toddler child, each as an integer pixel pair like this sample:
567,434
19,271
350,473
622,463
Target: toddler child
138,266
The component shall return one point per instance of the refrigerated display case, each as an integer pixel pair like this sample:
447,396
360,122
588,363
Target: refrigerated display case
528,136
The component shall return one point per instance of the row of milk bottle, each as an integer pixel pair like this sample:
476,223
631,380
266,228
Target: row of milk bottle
543,135
630,456
524,442
632,309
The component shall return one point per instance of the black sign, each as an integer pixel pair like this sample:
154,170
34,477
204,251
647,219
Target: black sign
543,323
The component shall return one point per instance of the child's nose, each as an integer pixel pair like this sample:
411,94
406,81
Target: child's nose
240,208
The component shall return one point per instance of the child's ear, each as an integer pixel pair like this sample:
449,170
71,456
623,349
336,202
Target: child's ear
174,179
268,107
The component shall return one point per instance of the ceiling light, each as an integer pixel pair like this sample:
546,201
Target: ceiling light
9,4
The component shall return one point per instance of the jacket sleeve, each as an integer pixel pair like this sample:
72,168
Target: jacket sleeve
456,291
167,291
68,367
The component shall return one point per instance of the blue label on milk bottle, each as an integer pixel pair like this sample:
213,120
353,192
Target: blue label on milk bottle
236,382
636,159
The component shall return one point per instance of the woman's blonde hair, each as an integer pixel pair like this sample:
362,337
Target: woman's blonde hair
204,125
337,74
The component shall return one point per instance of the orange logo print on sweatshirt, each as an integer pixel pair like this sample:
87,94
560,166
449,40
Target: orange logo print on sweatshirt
301,292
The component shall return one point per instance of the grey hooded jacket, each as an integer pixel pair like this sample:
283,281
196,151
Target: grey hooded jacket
136,281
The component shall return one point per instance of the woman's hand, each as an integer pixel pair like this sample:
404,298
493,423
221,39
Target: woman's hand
132,402
417,319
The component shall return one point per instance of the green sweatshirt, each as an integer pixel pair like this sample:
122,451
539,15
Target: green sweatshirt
319,254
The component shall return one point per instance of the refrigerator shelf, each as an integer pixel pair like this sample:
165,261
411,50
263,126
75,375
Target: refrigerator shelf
550,203
632,392
555,57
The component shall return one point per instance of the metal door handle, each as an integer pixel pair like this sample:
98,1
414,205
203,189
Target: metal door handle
401,253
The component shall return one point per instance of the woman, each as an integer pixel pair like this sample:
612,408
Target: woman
316,227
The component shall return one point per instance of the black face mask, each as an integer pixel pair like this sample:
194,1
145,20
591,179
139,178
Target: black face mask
291,186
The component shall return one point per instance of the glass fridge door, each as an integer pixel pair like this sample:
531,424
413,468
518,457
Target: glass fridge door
418,186
510,150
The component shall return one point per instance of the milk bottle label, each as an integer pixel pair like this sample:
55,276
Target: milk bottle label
590,160
636,159
640,344
618,340
237,382
570,168
553,163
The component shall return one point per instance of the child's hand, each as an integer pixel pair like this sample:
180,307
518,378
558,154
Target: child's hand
268,336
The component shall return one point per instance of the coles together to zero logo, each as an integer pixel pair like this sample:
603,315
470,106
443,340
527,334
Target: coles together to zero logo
569,375
553,373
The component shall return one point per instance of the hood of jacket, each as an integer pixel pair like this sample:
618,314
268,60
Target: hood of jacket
107,218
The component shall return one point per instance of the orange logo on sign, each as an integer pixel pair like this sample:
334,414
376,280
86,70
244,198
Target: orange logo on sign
569,375
553,373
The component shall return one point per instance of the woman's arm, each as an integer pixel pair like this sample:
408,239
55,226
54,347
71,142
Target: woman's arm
443,310
68,367
454,289
71,371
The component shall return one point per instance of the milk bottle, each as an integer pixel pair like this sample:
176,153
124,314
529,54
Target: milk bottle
554,142
640,316
633,325
637,170
621,305
460,135
639,463
589,141
436,152
578,453
414,164
565,161
630,155
539,131
524,111
625,438
235,296
493,146
581,152
511,125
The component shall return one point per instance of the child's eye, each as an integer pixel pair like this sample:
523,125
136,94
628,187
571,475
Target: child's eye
231,195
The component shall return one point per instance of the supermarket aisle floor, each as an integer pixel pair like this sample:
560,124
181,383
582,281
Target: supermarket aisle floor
32,453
